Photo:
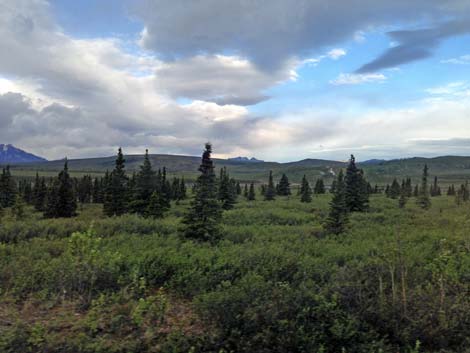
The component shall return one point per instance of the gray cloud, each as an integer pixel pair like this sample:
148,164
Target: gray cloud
415,45
221,79
269,32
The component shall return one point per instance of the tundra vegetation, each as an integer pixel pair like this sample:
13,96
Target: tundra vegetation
145,263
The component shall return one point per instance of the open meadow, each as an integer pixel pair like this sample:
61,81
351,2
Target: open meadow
396,280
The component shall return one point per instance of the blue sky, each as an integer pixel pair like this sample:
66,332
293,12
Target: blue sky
379,79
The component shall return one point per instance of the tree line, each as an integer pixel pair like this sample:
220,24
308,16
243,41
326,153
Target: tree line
149,193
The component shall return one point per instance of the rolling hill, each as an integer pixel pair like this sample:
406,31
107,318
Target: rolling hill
449,169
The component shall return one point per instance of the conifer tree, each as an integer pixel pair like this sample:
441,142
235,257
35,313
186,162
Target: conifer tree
227,190
338,214
66,202
97,195
435,189
284,186
451,190
61,200
305,190
203,219
238,188
263,189
144,187
395,189
8,188
116,193
319,187
18,209
270,191
416,191
333,186
251,193
423,200
157,205
182,190
245,191
403,198
357,198
408,188
52,199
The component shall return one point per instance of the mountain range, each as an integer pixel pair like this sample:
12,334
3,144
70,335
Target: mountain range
10,154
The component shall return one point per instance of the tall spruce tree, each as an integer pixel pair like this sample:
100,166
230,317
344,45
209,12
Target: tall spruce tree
227,190
61,200
39,193
182,190
423,199
144,187
338,214
251,193
202,222
357,197
394,190
270,190
66,202
319,187
8,188
116,193
305,190
284,186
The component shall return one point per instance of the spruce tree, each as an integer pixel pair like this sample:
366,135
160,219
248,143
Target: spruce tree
451,190
227,190
357,197
403,198
245,191
270,191
394,191
238,188
338,214
157,206
144,187
18,209
251,193
424,200
39,193
8,188
284,186
202,222
52,200
116,193
182,190
66,202
319,187
305,190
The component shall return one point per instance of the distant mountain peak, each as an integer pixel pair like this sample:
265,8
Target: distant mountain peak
10,154
245,159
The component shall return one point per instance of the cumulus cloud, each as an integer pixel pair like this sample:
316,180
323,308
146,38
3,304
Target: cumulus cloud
271,32
219,78
60,95
357,79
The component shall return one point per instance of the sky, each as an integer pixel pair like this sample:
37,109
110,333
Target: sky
279,80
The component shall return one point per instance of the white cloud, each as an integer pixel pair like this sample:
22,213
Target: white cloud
461,60
335,54
357,79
